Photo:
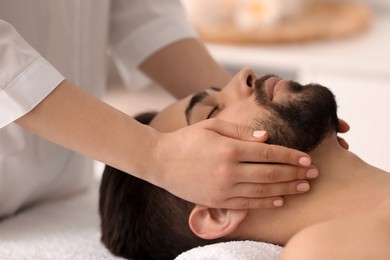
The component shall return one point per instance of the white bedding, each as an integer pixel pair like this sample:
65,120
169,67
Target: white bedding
65,229
69,229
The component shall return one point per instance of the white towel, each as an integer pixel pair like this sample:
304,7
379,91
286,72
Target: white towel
63,229
243,250
69,229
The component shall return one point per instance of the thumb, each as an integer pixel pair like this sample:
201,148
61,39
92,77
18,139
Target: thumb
235,131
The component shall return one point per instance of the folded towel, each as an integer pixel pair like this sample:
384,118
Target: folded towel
243,250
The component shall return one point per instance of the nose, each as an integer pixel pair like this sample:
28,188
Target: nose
246,79
240,87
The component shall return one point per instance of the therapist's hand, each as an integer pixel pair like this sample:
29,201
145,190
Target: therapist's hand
222,165
343,128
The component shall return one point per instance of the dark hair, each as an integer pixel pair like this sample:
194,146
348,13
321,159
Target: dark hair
142,221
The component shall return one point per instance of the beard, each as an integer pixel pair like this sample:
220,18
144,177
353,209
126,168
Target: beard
302,122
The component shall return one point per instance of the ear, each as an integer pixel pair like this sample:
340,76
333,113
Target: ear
211,223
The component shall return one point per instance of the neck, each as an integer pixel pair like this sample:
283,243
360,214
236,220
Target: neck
353,184
346,185
335,162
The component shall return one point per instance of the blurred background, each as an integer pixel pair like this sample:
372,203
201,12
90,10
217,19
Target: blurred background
344,45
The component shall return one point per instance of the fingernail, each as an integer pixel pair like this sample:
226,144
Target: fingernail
312,173
277,203
259,134
303,186
304,161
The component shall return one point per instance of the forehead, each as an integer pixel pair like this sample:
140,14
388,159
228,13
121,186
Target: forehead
172,117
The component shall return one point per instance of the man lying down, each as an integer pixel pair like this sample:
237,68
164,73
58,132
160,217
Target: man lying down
142,221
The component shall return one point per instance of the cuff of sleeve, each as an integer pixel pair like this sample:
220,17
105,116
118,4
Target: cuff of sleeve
144,42
27,90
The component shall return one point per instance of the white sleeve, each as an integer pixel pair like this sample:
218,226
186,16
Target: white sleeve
139,28
25,77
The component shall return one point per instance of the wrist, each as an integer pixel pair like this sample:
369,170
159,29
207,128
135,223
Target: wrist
149,166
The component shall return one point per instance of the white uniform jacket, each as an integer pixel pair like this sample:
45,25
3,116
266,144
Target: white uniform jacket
41,43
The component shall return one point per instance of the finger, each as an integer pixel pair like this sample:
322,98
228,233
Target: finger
343,126
250,203
264,190
343,143
234,131
273,173
266,153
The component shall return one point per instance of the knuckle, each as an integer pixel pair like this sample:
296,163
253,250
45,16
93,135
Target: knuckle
261,190
294,173
263,204
228,152
245,203
290,156
269,154
272,175
223,173
240,131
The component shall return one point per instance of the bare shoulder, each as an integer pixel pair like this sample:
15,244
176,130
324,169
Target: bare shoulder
384,207
359,236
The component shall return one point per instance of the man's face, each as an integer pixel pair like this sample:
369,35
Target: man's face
294,115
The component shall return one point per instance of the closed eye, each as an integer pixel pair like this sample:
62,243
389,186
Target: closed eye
194,102
212,112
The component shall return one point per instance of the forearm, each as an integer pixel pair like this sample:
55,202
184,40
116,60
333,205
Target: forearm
75,120
185,67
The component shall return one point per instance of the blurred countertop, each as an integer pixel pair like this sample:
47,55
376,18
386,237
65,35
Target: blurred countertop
367,52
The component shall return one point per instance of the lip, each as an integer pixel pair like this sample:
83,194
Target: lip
279,86
272,86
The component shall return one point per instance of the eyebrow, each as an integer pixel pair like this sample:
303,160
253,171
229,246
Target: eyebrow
197,98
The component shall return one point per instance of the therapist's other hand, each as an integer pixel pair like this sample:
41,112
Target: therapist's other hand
222,165
343,128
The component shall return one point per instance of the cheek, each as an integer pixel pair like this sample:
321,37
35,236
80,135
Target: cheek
239,114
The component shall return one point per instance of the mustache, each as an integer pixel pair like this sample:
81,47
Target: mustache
260,85
259,89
